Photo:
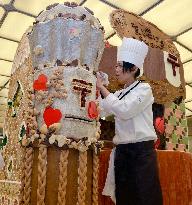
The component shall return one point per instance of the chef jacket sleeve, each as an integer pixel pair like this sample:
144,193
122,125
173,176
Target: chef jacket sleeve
104,110
131,105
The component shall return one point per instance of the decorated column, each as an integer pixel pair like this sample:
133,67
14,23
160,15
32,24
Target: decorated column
51,125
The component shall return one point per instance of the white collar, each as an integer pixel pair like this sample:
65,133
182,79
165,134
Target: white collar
130,86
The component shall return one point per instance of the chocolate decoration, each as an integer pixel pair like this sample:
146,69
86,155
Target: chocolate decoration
74,63
173,60
89,10
83,88
51,6
128,24
59,62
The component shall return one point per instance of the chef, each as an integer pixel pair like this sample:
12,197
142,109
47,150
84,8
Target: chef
132,177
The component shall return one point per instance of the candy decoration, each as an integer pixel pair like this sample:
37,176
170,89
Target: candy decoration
51,116
92,110
160,125
40,83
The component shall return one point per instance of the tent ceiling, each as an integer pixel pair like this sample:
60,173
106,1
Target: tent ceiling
173,17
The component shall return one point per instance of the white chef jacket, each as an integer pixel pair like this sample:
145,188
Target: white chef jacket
133,113
133,122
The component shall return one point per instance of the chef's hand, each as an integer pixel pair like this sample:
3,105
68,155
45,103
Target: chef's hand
101,87
99,82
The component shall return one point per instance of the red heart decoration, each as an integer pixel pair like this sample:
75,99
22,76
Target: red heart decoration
92,110
40,83
160,125
51,116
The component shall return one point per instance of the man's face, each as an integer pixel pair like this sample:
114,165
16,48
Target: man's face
121,76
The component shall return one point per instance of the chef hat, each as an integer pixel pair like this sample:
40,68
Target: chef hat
132,51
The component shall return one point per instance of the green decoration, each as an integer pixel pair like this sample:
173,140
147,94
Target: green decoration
174,138
185,140
182,107
184,123
17,100
173,120
173,106
10,103
10,166
22,132
3,141
178,123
